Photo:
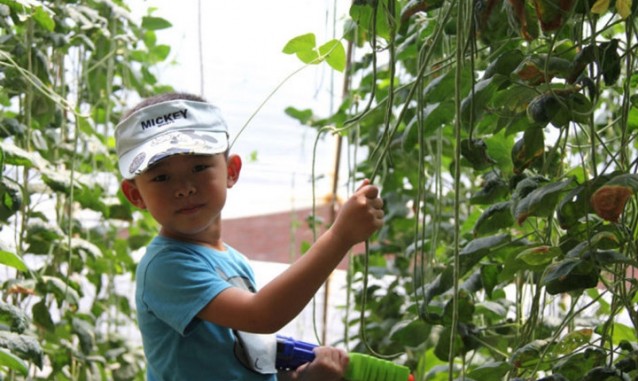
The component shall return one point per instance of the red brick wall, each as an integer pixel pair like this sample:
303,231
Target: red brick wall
275,237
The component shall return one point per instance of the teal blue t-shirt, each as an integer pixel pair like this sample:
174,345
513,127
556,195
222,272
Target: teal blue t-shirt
174,281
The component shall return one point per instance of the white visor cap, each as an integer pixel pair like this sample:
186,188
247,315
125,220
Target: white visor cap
168,128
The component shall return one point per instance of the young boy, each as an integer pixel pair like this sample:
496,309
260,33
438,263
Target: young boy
199,313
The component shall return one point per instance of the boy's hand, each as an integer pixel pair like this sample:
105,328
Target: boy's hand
330,364
360,216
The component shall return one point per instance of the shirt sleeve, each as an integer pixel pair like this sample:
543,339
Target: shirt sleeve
178,285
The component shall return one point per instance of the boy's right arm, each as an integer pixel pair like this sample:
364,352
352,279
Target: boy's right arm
282,299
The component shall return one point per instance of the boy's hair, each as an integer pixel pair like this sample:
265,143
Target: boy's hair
165,125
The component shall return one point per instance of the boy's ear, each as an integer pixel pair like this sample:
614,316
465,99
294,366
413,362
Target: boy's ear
132,193
234,168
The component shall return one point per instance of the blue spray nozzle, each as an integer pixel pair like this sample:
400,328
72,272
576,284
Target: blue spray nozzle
293,353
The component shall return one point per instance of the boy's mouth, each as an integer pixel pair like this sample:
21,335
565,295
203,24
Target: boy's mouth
187,209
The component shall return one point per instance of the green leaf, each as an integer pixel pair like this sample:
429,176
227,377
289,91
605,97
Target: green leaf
494,218
438,89
574,366
494,189
540,255
491,309
158,53
413,333
301,43
540,68
611,257
494,370
573,340
504,64
478,248
42,235
85,247
597,240
62,290
17,156
541,202
10,259
13,317
443,344
363,13
473,105
528,149
475,152
618,332
43,17
465,308
42,316
155,23
303,116
573,206
570,274
489,277
334,54
434,116
543,108
25,346
529,355
85,333
13,362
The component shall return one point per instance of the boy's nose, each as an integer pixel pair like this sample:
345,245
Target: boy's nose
185,190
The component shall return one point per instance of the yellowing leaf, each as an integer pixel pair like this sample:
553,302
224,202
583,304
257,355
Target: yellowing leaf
600,6
624,8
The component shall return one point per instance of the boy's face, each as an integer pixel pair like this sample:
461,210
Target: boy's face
185,193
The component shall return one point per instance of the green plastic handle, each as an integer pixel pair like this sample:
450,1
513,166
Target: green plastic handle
368,368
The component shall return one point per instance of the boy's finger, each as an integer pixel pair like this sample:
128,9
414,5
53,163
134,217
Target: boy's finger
371,191
363,184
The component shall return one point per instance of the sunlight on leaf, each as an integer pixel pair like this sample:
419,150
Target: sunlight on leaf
619,332
12,260
624,8
43,17
300,43
334,54
600,6
574,340
11,361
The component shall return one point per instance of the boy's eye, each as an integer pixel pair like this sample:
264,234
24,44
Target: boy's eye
200,167
159,178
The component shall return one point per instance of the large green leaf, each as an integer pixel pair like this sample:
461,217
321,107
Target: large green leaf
540,202
60,288
494,218
493,370
570,274
334,54
473,105
25,346
575,365
13,362
13,317
531,355
494,189
11,259
373,17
